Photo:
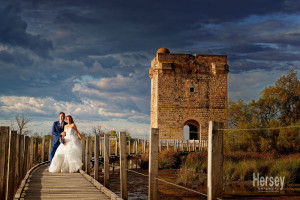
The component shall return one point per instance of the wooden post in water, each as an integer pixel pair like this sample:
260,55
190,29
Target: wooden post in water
83,151
123,166
215,161
10,177
4,138
43,150
106,160
136,147
159,147
109,146
96,162
153,164
129,149
116,147
100,145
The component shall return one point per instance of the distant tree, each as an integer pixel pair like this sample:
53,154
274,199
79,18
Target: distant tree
112,133
97,130
22,123
283,99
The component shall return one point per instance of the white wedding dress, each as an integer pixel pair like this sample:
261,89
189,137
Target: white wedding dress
68,157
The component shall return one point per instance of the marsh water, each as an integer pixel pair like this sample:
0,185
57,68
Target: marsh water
138,188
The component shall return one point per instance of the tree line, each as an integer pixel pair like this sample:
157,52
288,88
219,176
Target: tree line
277,106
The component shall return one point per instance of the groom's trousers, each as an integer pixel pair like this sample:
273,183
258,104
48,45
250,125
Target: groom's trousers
53,150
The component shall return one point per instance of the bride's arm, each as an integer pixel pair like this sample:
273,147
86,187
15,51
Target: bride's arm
78,134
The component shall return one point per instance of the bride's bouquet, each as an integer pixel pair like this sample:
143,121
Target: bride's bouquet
62,140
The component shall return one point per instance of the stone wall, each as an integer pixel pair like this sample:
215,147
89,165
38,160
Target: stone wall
187,88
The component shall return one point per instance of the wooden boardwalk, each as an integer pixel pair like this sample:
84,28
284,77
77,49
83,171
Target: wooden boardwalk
44,185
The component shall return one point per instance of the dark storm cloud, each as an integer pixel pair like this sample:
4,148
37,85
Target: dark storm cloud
104,39
13,30
105,27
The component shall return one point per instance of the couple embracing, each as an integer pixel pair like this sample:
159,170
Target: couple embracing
66,150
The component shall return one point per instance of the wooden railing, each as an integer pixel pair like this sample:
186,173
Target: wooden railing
18,154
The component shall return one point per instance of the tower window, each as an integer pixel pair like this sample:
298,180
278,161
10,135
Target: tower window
191,89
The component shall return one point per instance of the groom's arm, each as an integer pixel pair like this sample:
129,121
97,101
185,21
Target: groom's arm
54,132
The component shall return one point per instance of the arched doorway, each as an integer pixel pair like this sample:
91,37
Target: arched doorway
191,129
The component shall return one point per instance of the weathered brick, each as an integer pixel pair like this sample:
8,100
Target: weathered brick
187,89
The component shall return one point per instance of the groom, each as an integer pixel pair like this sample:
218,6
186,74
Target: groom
57,129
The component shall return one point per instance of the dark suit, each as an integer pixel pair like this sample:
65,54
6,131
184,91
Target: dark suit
57,129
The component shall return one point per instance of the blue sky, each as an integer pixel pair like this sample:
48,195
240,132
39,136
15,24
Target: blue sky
91,58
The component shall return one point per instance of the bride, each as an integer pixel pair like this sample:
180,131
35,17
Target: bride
68,156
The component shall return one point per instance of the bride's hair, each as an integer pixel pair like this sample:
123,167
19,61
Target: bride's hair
72,121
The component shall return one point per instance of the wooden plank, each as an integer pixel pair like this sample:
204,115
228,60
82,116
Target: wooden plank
106,160
4,138
215,161
96,162
10,178
45,185
153,164
123,166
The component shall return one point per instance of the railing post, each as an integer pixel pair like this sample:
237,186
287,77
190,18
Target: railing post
87,162
17,164
194,145
36,149
10,178
4,138
26,155
22,154
43,150
96,161
90,154
106,160
31,152
153,164
83,151
50,145
215,161
123,166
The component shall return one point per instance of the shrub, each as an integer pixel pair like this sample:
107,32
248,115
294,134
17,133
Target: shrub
190,178
168,159
144,161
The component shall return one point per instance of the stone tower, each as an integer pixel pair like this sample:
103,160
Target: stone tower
187,90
